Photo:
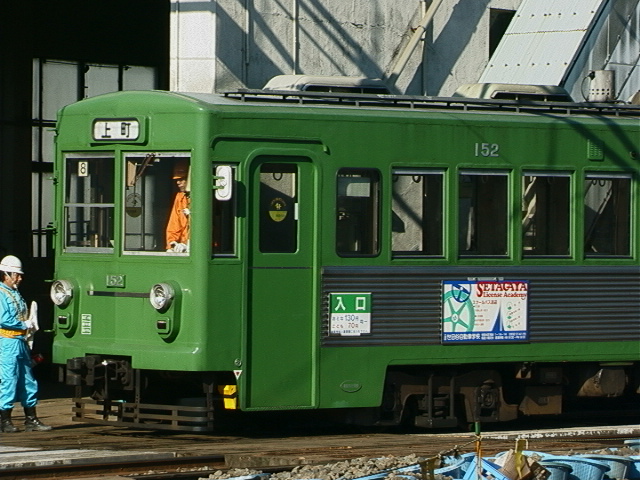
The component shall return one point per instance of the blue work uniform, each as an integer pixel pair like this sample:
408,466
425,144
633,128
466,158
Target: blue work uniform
17,383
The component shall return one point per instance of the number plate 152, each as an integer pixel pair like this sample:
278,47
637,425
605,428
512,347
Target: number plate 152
487,150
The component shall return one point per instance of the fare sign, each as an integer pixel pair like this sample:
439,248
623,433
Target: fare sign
350,313
114,129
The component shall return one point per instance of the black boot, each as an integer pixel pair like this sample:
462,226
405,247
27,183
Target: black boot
6,425
32,423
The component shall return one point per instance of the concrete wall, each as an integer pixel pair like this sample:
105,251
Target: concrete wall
225,44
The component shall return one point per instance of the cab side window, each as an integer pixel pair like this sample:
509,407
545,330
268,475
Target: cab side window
223,211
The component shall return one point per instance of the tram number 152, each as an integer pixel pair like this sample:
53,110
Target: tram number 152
487,150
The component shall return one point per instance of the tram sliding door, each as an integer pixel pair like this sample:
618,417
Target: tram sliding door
281,322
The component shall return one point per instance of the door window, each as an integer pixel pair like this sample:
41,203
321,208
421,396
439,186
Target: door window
278,208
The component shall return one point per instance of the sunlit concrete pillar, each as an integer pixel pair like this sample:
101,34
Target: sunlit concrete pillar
192,62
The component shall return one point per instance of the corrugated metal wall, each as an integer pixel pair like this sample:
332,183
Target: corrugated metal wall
566,304
543,41
559,42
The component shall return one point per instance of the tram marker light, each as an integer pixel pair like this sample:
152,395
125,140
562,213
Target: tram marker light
223,182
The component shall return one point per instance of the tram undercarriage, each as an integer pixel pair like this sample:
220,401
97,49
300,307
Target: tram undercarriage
447,399
109,391
121,395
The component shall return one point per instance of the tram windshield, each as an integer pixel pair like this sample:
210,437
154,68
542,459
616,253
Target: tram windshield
157,203
89,203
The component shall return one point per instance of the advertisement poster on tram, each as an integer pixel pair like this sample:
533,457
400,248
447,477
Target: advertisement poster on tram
479,311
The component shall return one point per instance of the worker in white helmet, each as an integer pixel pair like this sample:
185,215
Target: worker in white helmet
17,383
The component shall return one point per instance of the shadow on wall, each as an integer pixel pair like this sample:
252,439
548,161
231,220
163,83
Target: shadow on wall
262,65
443,52
268,53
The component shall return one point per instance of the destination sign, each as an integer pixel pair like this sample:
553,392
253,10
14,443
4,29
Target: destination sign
113,129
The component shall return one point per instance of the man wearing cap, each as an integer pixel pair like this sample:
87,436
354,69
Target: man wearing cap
17,383
178,225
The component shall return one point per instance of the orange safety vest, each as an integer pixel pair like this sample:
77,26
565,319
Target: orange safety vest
178,226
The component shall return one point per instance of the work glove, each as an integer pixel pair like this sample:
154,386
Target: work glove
32,323
32,320
178,247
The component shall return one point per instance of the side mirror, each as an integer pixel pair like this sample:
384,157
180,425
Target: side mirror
223,182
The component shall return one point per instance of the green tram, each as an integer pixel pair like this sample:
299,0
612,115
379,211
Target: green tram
385,259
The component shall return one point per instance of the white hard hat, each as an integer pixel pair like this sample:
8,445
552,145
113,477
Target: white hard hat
11,263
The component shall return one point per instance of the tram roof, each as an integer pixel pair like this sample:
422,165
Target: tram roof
176,100
414,102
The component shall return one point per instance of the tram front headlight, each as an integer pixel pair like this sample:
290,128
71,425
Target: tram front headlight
61,292
161,296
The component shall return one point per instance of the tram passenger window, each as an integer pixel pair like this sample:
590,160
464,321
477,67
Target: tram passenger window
157,203
278,212
357,212
223,224
416,223
607,215
482,223
89,203
545,214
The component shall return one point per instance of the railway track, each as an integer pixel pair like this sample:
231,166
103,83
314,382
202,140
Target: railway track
162,468
270,454
98,450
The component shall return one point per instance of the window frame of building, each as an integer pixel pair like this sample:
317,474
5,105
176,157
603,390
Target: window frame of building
56,83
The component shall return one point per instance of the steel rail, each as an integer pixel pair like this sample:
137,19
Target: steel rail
128,467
